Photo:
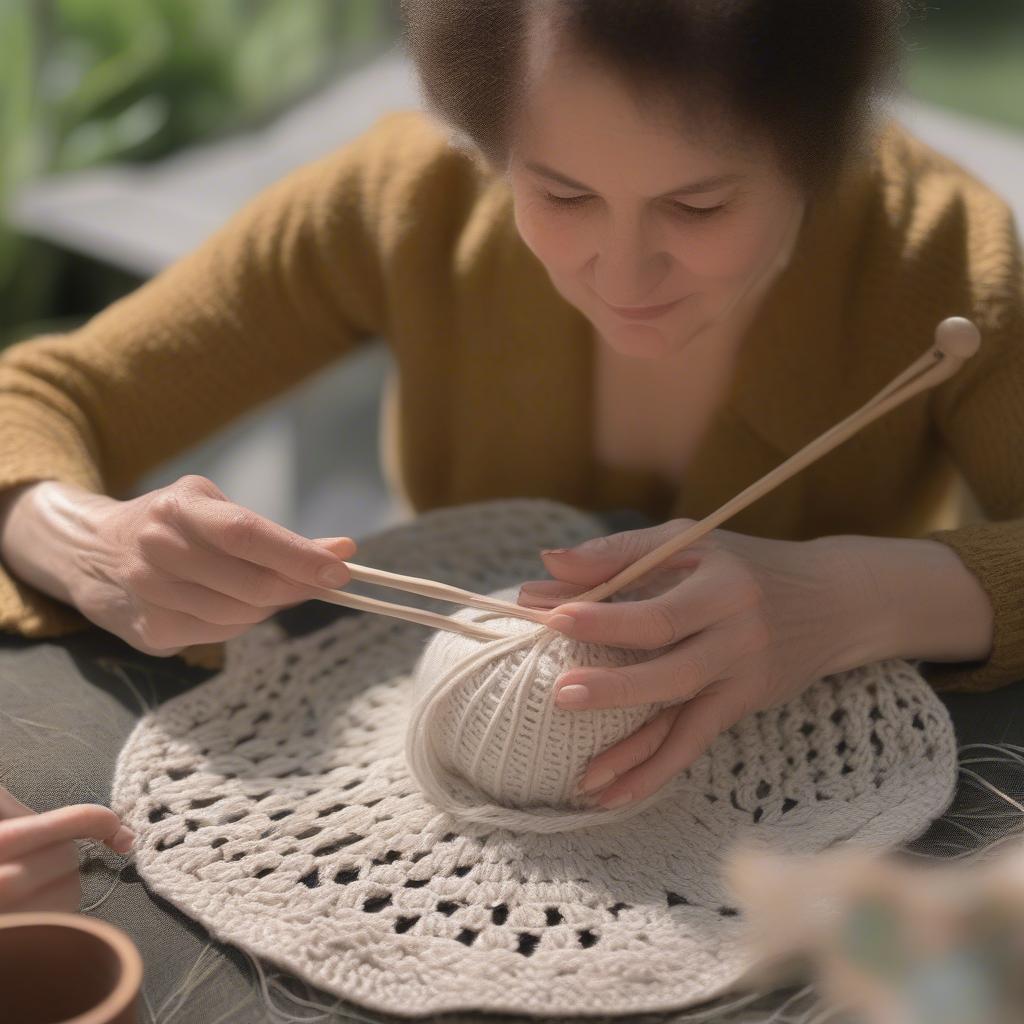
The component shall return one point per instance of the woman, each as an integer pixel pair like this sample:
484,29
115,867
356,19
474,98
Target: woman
669,247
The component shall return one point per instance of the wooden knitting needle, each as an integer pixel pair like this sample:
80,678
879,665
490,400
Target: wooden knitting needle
427,588
402,611
956,340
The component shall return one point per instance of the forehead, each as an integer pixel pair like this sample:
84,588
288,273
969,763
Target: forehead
578,114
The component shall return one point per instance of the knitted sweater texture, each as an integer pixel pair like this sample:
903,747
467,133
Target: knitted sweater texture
399,235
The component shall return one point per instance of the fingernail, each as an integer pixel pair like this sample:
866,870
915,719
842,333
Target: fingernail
563,623
595,780
555,551
617,801
333,575
574,696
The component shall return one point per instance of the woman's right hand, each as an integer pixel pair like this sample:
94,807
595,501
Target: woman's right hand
174,567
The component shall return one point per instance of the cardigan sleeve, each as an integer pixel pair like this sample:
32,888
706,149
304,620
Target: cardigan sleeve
979,415
290,283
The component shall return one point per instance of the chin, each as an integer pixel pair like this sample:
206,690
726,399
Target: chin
638,341
647,341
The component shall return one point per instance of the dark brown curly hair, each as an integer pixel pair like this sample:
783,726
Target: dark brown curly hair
806,73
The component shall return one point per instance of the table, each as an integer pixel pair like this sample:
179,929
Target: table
66,708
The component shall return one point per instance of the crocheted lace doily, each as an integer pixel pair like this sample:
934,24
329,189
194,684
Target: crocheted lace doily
273,804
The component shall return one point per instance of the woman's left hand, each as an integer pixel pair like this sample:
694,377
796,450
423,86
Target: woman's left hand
746,623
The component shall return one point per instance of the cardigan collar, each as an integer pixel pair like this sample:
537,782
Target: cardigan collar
787,362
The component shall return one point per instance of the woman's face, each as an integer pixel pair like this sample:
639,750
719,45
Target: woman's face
626,209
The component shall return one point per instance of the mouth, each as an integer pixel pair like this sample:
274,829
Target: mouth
642,312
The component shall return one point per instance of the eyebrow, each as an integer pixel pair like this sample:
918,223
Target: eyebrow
693,188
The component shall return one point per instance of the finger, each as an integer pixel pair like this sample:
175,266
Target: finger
63,895
173,557
683,610
698,724
242,533
677,675
597,560
548,593
19,836
210,606
38,869
161,631
11,806
552,593
610,764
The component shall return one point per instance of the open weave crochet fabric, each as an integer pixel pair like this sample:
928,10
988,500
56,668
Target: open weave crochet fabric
274,804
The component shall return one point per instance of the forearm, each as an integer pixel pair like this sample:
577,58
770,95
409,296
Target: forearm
913,598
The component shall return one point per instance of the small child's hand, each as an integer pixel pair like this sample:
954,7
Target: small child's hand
38,858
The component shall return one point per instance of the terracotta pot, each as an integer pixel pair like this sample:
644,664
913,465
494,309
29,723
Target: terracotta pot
66,969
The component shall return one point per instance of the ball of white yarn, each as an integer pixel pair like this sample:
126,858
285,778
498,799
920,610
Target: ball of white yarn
487,716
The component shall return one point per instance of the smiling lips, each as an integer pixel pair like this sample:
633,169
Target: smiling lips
642,312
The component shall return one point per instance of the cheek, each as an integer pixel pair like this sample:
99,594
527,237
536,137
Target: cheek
551,238
731,253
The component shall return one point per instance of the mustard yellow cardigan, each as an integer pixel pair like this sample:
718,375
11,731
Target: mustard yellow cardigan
399,235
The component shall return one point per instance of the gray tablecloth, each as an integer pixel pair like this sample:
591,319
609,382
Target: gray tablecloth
66,708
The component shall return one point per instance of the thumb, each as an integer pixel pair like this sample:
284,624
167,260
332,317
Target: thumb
600,558
343,547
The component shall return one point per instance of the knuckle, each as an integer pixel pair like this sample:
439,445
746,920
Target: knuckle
751,592
603,545
240,529
674,527
639,753
264,590
692,672
197,482
681,523
166,505
649,746
154,634
242,615
136,575
742,586
221,614
151,535
660,628
623,688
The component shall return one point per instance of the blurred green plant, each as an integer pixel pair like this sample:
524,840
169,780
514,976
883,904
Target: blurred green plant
968,55
85,82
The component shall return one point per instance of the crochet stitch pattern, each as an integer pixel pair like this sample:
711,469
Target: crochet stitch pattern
273,804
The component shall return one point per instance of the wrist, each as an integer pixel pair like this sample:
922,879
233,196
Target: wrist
910,598
858,624
44,528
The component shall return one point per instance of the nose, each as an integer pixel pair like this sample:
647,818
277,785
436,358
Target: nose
629,265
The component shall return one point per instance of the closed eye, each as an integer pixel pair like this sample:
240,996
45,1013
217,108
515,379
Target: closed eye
697,212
